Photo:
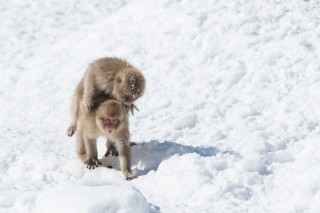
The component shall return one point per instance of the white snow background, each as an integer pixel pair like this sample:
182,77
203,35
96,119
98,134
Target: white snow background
229,121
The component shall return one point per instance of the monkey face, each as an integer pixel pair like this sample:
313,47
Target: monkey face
129,85
109,115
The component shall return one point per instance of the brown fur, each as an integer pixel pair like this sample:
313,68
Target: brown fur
90,127
106,78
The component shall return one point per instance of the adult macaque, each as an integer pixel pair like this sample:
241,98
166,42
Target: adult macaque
106,78
109,119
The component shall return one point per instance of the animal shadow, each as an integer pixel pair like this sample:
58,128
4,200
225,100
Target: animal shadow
147,156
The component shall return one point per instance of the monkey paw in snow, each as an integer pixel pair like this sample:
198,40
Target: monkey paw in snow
130,175
92,163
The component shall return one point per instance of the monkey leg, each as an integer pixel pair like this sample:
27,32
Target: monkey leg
125,160
89,91
133,143
75,110
111,149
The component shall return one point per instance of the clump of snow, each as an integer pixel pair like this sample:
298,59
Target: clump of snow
229,121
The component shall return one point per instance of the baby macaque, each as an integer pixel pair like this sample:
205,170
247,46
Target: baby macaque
106,78
109,119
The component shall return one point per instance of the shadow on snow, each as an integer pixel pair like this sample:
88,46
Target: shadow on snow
147,156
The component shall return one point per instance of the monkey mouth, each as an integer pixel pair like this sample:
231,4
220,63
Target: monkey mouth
129,99
109,127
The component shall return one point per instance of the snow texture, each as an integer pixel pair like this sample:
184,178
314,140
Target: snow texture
229,121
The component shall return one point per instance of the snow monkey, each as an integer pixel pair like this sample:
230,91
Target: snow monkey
106,78
109,119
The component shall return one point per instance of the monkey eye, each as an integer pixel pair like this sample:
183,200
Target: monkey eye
107,120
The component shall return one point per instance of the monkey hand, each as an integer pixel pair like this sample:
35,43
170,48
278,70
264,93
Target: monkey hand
92,163
129,175
132,108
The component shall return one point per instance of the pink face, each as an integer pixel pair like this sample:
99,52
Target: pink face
110,123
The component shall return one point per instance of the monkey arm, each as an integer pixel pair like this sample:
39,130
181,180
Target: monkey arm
92,153
77,96
125,159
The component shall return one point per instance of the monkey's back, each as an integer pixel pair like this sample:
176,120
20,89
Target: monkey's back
103,71
110,64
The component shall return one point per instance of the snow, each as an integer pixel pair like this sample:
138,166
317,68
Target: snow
228,123
105,198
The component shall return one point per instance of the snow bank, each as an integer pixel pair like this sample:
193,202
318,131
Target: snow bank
106,198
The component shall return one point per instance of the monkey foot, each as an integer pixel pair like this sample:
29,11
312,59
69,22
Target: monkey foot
113,152
132,143
92,163
71,130
130,176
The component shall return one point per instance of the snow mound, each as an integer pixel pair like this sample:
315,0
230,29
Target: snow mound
89,199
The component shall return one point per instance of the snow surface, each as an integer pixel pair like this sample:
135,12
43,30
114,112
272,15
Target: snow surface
229,121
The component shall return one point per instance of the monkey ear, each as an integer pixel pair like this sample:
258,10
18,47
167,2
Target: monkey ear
118,80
